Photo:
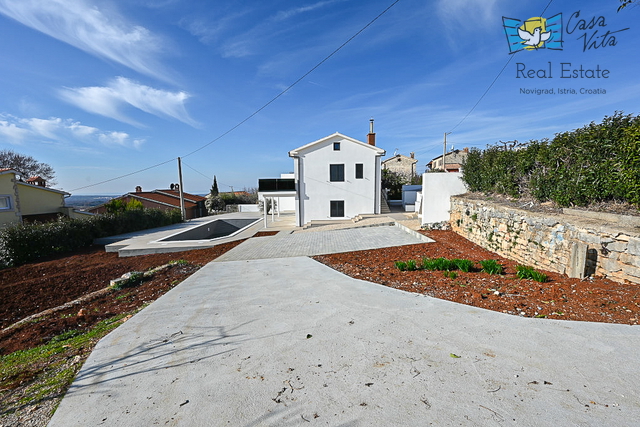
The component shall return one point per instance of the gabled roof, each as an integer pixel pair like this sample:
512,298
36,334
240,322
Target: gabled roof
401,157
13,171
167,197
176,193
311,145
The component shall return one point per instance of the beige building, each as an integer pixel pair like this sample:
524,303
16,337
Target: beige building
453,161
402,165
30,201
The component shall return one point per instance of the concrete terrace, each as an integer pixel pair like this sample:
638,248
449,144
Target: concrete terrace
287,341
304,239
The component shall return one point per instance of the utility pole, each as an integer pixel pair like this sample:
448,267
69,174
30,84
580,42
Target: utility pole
182,211
444,152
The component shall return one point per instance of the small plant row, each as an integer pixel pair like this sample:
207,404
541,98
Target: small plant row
449,266
526,272
432,264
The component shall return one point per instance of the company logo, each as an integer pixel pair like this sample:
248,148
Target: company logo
534,33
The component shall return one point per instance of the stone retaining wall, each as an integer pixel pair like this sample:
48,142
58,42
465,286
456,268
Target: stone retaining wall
574,242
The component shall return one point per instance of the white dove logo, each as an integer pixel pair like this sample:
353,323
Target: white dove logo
535,39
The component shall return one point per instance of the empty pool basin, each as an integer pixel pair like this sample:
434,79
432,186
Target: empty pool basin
215,229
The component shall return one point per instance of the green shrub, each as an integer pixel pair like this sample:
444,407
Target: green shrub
599,162
401,265
491,266
411,265
464,265
526,272
22,243
450,274
441,264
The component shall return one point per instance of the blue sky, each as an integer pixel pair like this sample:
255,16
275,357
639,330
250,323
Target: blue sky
101,89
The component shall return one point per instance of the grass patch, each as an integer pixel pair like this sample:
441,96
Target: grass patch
49,369
491,266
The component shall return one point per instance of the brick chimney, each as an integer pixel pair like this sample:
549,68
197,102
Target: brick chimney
138,189
413,155
371,136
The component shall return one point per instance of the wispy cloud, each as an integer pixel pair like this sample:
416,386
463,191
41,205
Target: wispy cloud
110,100
465,15
289,13
249,42
17,130
98,31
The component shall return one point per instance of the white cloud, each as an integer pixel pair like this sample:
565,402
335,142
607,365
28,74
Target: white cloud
109,100
93,29
12,133
467,15
18,130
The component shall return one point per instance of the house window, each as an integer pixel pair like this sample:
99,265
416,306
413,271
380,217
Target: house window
359,171
336,146
337,208
5,203
336,173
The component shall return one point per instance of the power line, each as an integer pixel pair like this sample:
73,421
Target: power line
208,177
259,109
296,82
494,80
125,175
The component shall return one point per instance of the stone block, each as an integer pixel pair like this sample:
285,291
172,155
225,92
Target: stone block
589,238
577,260
631,260
631,271
634,246
610,265
617,246
623,237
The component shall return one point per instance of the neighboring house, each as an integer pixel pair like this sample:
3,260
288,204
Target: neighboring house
402,165
453,161
30,201
337,177
165,200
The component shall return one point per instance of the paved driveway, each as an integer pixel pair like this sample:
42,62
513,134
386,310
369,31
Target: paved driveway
325,242
290,342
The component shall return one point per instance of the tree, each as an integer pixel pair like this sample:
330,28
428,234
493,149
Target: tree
393,182
214,188
26,166
214,204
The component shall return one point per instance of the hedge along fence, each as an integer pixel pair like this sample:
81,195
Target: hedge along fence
22,243
598,162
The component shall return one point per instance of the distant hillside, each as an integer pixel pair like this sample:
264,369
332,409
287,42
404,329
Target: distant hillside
87,202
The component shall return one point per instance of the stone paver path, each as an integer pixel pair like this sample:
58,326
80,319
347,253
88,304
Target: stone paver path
309,244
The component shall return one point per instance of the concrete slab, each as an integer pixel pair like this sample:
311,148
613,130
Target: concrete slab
325,242
290,342
150,241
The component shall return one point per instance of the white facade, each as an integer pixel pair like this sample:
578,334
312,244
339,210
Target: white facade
285,202
337,177
437,189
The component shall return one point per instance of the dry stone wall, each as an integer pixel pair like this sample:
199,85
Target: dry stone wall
576,243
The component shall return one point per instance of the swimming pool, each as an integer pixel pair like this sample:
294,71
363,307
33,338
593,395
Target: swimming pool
216,229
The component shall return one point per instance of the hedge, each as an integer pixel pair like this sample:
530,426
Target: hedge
22,243
596,163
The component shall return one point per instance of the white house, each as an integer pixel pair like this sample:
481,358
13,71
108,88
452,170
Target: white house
337,177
